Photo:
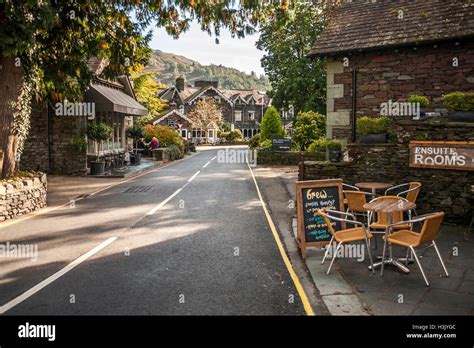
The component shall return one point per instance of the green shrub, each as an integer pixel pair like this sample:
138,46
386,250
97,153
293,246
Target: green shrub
334,145
459,101
424,101
254,141
309,126
318,145
234,135
167,136
271,124
174,152
265,145
372,125
99,131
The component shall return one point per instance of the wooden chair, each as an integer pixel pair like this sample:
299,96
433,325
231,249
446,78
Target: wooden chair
345,236
355,201
410,193
349,187
410,239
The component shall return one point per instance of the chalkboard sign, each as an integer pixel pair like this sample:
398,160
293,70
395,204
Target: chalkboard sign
281,144
311,196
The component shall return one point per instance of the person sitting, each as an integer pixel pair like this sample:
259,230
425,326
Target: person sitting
155,144
142,145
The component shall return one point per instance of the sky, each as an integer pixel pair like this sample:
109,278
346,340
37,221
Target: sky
199,46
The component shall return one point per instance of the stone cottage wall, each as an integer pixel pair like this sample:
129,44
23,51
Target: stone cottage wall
442,190
66,157
394,74
21,196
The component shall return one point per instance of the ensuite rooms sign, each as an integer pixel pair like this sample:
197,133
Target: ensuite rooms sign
442,155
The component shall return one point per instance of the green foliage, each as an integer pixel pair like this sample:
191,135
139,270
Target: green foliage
334,145
424,101
167,136
266,145
254,141
136,132
226,127
78,144
278,158
308,127
146,90
174,152
271,124
372,125
99,131
231,136
295,79
459,101
319,145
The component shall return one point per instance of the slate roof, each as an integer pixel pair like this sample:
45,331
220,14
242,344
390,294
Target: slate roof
191,92
368,24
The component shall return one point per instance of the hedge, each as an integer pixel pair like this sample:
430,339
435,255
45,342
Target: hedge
286,158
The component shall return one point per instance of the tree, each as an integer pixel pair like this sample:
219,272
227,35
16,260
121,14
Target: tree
296,79
146,90
204,113
271,124
44,46
309,126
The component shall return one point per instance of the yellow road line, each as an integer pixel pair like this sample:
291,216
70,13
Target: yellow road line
286,260
47,210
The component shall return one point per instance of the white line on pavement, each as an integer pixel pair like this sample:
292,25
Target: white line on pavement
196,174
55,276
209,162
161,205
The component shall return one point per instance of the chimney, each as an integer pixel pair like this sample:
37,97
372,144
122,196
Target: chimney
180,83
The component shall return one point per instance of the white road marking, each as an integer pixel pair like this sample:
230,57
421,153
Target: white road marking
161,205
196,174
55,276
204,166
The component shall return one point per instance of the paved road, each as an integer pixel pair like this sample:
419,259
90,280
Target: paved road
206,250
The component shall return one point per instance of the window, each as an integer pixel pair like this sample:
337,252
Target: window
251,115
198,133
238,115
218,99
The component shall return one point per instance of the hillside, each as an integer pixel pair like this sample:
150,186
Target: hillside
169,66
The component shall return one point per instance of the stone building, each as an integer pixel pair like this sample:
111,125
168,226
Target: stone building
58,143
243,109
379,51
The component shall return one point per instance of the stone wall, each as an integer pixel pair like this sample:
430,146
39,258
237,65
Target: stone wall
394,74
21,196
66,158
442,190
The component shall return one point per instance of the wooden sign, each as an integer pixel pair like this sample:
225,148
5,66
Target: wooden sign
313,195
281,144
442,155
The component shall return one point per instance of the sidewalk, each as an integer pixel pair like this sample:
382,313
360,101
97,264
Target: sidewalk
351,289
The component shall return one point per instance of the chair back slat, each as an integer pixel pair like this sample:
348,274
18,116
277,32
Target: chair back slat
430,227
356,201
328,222
413,195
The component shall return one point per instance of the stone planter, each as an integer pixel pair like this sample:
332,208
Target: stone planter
334,155
136,158
373,138
97,168
161,154
461,116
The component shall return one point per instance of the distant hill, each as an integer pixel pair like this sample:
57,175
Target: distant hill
169,66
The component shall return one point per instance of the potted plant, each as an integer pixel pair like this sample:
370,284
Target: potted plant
98,132
136,132
318,148
334,149
422,101
372,130
460,106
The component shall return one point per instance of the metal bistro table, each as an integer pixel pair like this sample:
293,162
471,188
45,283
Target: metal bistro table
374,186
389,208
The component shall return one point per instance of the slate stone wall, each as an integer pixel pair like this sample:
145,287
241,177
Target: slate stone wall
442,190
21,196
